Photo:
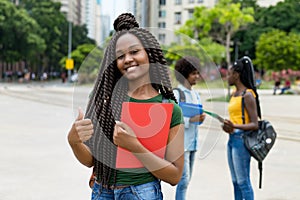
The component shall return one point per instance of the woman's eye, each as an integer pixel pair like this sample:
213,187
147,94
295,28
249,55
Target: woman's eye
134,51
120,57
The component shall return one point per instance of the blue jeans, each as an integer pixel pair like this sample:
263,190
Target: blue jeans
147,191
239,165
189,158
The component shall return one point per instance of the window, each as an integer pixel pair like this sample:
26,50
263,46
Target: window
191,1
162,13
200,1
162,2
162,38
178,2
161,24
177,17
190,13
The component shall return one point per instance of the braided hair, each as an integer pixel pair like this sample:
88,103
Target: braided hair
245,69
110,90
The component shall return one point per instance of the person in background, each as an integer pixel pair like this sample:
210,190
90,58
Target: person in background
297,81
277,83
187,74
241,76
133,70
287,85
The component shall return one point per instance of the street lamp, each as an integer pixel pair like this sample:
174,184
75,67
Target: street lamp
69,51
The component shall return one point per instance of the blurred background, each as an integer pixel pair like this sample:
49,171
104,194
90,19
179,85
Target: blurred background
42,40
50,53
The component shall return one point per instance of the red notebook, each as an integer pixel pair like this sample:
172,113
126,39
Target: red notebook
151,124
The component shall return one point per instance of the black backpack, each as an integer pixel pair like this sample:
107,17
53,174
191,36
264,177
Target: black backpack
181,95
259,142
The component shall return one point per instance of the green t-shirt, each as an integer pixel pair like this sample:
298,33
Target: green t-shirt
139,176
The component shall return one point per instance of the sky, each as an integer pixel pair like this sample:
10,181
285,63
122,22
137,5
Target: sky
111,8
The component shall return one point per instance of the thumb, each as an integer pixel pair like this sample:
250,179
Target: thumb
80,114
124,127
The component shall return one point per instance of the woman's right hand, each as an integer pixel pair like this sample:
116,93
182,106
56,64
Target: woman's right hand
198,118
81,131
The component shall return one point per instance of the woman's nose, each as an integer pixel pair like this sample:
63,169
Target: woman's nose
128,58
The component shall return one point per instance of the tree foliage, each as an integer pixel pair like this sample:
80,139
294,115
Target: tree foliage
278,50
36,32
218,23
284,16
206,50
20,37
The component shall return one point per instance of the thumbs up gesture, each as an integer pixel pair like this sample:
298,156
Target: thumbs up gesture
81,131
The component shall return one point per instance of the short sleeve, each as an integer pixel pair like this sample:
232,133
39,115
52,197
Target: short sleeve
177,117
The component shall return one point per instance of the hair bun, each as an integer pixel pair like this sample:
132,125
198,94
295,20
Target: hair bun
125,21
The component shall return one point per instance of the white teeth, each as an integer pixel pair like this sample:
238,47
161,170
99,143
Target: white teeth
130,68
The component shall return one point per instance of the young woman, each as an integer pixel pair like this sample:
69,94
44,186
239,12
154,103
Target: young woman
241,75
134,69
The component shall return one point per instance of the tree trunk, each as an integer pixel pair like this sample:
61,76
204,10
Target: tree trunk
228,39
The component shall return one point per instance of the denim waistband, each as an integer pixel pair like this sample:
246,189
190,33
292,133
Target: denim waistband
238,133
121,186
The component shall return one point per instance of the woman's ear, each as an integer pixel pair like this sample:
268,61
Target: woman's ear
236,75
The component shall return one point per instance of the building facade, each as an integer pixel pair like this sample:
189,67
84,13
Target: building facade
166,16
72,10
169,15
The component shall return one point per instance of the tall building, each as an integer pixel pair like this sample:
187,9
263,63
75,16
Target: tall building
167,16
92,14
104,28
170,15
72,9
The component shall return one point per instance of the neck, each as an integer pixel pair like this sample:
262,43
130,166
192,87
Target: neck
142,91
240,88
187,85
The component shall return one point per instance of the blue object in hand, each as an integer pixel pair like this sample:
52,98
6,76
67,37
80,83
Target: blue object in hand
190,110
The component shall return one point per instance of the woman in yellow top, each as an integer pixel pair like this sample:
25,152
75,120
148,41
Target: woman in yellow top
241,75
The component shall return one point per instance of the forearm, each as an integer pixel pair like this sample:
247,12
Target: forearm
247,127
160,168
83,154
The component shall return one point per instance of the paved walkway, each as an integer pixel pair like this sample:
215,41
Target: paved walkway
37,163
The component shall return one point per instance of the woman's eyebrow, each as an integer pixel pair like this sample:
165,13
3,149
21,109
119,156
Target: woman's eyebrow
120,51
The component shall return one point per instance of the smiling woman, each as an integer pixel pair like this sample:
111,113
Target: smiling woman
133,70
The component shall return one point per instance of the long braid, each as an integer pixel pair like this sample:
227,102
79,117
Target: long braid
110,91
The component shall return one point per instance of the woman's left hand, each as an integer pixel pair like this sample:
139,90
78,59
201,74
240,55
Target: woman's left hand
125,137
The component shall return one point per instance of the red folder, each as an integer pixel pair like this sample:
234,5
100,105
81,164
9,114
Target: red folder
151,124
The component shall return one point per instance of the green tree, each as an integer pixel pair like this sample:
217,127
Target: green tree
277,50
87,59
79,37
232,19
206,50
220,23
246,3
283,16
19,34
48,15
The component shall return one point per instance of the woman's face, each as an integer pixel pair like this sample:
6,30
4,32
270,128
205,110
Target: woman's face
232,76
132,59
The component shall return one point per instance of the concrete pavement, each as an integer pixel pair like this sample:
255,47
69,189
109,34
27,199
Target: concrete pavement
37,163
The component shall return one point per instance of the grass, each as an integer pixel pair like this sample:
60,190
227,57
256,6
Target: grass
219,99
